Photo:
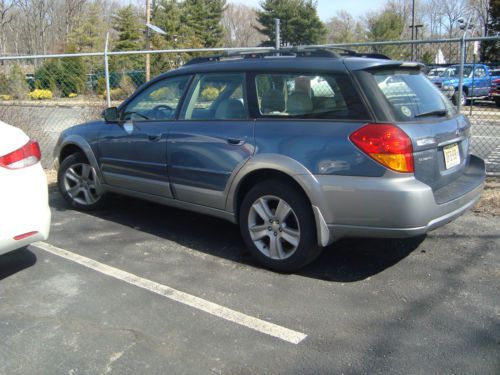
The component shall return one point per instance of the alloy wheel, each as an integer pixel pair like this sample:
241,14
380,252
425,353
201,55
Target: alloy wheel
274,227
81,184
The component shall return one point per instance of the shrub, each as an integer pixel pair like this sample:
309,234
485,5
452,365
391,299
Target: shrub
38,94
209,94
66,76
46,75
101,86
72,95
72,76
6,97
4,87
127,85
16,82
117,94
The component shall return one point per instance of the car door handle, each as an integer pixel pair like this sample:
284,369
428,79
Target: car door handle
154,137
236,142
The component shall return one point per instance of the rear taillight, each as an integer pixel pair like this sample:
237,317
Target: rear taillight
27,155
387,144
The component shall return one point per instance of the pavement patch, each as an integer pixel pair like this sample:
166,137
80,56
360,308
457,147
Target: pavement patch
262,326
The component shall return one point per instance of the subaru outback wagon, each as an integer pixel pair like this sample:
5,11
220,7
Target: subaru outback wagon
299,150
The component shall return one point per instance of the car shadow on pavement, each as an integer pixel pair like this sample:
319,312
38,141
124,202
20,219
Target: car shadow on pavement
15,261
344,261
351,260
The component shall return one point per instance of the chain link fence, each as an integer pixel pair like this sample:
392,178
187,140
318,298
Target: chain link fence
44,95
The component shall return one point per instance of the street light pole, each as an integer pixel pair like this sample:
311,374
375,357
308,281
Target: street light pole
148,40
463,51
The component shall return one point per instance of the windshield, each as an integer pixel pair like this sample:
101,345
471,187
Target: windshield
453,72
411,95
436,73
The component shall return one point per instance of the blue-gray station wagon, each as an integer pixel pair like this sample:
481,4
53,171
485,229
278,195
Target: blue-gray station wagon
299,150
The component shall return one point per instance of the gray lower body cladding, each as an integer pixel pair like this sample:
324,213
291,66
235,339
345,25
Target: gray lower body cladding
390,207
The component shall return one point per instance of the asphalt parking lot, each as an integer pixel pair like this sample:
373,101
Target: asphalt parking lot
138,288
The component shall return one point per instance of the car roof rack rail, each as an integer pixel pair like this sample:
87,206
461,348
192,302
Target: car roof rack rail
248,54
297,51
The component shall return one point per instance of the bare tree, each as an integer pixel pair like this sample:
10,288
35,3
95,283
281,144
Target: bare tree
38,19
70,11
452,11
433,17
6,17
240,22
481,9
344,28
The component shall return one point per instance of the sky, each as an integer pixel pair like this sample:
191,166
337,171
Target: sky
328,8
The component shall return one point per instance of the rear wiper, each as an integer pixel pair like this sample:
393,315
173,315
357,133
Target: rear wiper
438,112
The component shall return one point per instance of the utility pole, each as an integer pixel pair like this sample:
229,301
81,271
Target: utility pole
412,29
148,40
416,27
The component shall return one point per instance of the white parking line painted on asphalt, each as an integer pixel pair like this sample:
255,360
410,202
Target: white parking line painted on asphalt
219,311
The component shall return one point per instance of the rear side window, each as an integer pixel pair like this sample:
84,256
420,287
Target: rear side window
219,96
312,96
411,96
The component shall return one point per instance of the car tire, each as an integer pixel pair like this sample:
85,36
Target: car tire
278,226
463,101
497,101
79,184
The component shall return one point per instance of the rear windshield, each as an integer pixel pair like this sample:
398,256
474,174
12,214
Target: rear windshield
411,96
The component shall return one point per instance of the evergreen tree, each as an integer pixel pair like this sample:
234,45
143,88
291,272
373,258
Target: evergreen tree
89,35
490,50
169,16
204,17
387,25
127,23
300,24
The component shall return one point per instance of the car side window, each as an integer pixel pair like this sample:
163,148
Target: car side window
308,96
479,72
157,102
217,96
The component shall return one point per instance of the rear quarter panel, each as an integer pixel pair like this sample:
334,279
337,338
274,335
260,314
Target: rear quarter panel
321,146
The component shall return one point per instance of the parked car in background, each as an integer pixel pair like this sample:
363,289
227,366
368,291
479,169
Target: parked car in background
299,150
24,206
495,90
476,82
436,72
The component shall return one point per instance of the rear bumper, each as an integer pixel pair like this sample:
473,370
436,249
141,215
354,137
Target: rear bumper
25,207
391,207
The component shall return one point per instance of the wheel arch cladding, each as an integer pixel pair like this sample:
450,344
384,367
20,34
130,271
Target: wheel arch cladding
259,175
75,143
68,150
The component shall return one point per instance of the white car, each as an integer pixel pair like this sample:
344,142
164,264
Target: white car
24,205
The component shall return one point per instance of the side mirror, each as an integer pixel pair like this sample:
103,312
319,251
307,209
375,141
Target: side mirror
110,114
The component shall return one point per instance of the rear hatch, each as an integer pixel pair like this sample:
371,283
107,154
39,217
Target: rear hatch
440,136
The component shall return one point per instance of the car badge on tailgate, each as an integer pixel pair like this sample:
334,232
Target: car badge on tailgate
426,141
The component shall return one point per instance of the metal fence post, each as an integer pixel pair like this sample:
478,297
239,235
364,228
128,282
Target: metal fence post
278,36
106,72
461,74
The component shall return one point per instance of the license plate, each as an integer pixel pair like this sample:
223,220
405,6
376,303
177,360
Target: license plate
451,156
